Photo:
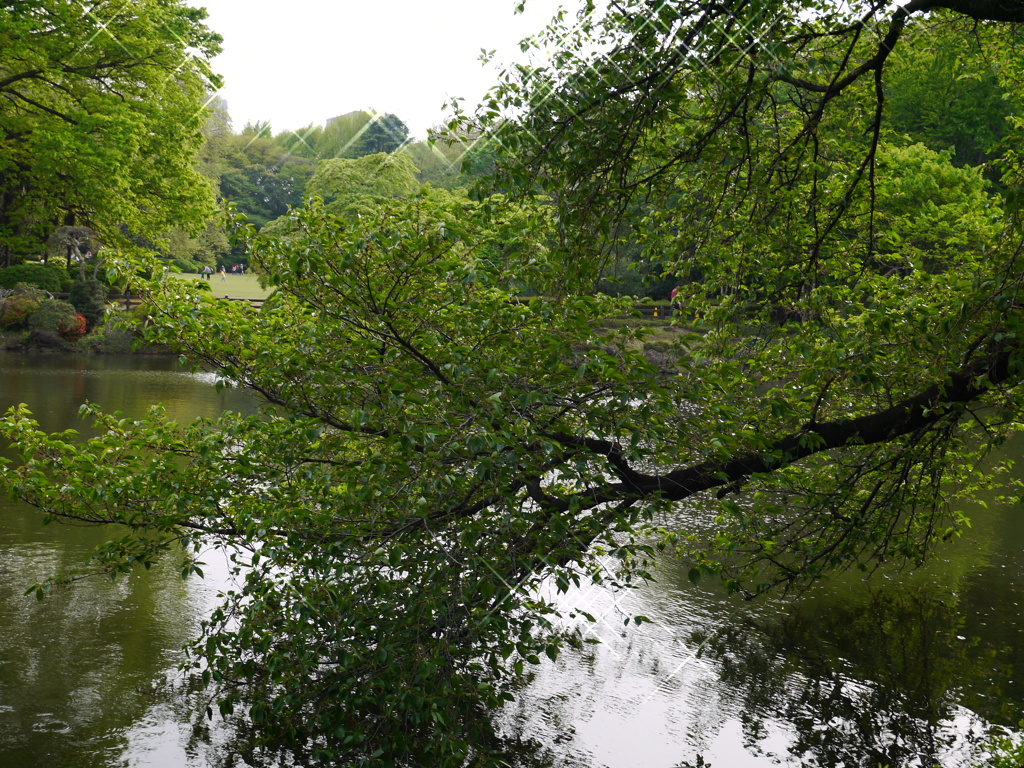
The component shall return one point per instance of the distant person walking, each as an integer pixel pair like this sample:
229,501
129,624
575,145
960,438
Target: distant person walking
223,275
673,298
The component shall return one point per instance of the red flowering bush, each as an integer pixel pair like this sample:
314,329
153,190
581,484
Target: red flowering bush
72,330
58,317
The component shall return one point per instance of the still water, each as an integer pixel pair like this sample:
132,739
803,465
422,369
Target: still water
904,670
87,676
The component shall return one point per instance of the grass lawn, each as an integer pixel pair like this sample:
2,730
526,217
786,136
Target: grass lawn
234,286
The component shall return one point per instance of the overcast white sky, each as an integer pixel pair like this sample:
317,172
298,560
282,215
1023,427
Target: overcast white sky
296,62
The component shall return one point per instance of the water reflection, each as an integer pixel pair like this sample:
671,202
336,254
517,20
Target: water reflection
78,668
899,670
87,676
56,386
867,683
907,670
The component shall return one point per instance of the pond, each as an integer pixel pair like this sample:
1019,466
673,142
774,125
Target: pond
84,674
901,670
904,669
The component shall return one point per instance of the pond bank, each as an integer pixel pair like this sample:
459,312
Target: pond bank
105,341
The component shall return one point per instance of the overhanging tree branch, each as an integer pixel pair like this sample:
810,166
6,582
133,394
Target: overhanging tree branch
937,403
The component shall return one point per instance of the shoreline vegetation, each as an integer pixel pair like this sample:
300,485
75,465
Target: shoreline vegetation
111,337
663,344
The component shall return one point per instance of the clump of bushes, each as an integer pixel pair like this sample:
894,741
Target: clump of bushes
29,308
44,276
15,311
55,316
187,265
89,297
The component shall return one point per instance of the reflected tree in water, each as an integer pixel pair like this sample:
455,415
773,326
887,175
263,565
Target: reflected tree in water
861,684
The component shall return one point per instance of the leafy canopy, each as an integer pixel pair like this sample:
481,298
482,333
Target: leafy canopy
347,185
100,115
436,448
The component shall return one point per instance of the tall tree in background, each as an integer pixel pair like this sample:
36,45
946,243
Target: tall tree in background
942,90
302,142
384,133
261,177
351,135
252,170
341,133
348,186
101,110
452,160
217,135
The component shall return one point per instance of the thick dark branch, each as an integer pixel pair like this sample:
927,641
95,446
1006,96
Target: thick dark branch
929,408
90,71
60,115
984,10
7,82
612,451
885,47
921,411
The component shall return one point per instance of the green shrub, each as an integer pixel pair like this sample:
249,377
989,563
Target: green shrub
90,298
33,292
16,310
187,265
45,276
57,317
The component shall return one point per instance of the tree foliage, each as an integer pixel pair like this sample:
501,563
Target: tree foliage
336,139
261,178
384,133
351,136
437,449
944,92
756,141
930,214
100,111
450,161
347,186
